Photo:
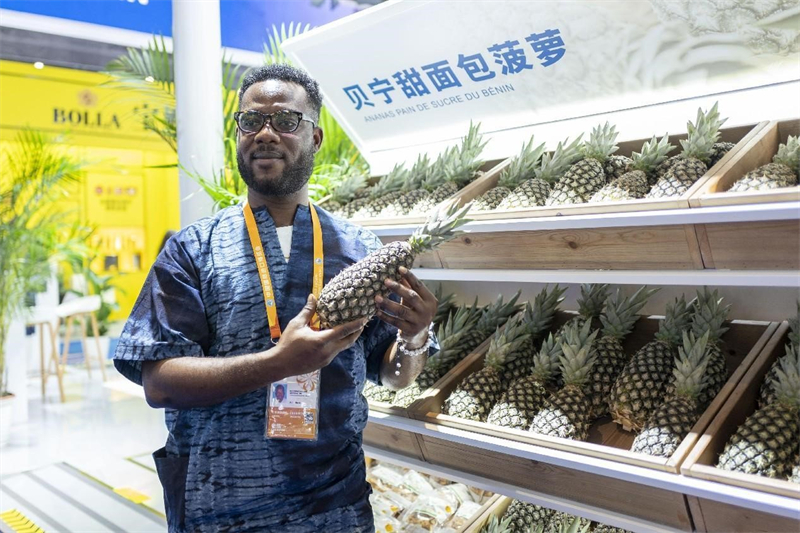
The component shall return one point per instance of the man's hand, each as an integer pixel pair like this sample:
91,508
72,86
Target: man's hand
301,349
415,312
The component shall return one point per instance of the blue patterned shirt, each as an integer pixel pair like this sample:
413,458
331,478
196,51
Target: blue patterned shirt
202,298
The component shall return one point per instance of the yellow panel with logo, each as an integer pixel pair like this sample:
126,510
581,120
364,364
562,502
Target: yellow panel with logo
131,203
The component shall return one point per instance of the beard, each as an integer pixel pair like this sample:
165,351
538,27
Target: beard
292,179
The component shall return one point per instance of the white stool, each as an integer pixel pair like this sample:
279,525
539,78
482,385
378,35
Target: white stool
80,308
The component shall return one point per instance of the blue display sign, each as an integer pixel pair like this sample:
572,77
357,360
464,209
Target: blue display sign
244,23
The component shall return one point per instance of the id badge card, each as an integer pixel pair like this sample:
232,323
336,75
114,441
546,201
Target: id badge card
293,408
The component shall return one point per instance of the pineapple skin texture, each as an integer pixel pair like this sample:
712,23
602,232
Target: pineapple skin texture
765,444
376,393
437,196
519,404
716,375
685,171
769,176
531,193
524,516
474,397
767,395
403,205
350,295
629,186
579,183
667,428
490,199
408,395
566,415
611,361
617,166
640,388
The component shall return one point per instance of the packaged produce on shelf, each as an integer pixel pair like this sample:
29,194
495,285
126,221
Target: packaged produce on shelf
406,500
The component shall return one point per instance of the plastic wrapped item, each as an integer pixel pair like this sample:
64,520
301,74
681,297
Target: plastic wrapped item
381,506
383,478
428,512
456,493
387,524
465,515
446,529
415,484
399,504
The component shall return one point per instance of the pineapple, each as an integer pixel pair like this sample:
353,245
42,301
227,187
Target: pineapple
341,200
492,318
497,525
718,151
605,528
782,172
639,389
634,183
675,418
519,169
475,395
567,412
526,516
567,523
617,166
538,317
534,192
377,393
766,444
794,477
526,396
387,188
587,176
767,393
693,162
618,319
590,306
458,167
400,202
350,295
451,339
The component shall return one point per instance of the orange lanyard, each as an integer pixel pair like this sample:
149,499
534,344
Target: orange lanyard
263,268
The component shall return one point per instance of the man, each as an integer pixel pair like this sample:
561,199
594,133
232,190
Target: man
199,341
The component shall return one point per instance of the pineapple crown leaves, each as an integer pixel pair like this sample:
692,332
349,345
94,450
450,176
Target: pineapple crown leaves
653,153
620,314
677,319
497,525
690,365
794,328
787,385
350,180
709,315
393,181
592,300
507,343
702,134
522,166
418,173
496,314
578,357
554,164
601,142
440,227
789,153
539,315
444,304
545,362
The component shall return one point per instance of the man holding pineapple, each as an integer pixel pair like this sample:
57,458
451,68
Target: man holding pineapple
214,327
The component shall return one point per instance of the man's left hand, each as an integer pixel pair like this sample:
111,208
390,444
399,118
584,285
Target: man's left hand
414,313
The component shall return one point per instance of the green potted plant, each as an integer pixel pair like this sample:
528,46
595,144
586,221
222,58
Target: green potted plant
36,170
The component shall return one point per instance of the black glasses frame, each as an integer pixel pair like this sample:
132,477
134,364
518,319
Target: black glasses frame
266,118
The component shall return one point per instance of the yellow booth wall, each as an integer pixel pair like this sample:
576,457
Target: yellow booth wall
131,204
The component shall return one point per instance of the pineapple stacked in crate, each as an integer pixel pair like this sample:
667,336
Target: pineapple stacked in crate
753,442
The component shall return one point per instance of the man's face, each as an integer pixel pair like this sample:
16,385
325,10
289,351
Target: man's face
279,394
272,163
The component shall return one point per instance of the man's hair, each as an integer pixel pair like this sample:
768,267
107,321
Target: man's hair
288,74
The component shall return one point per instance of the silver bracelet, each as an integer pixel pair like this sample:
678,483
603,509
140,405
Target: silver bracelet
401,347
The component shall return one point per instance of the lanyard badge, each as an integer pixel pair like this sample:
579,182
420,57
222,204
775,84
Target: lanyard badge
293,403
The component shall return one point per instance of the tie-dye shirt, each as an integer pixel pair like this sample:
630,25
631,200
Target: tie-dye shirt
202,298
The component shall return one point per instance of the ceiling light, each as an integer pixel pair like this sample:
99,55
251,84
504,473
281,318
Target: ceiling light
38,65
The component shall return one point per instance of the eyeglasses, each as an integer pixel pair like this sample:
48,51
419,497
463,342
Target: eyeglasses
281,121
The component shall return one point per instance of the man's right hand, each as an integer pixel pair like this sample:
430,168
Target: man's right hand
301,349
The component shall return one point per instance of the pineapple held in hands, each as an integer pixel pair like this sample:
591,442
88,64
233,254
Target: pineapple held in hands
636,183
767,444
782,172
518,170
688,167
350,295
587,176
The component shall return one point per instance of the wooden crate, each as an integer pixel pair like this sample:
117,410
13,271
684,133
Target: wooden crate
491,171
496,506
742,343
759,150
717,516
772,245
740,135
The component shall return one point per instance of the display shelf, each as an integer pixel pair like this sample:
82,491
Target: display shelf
610,472
722,278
